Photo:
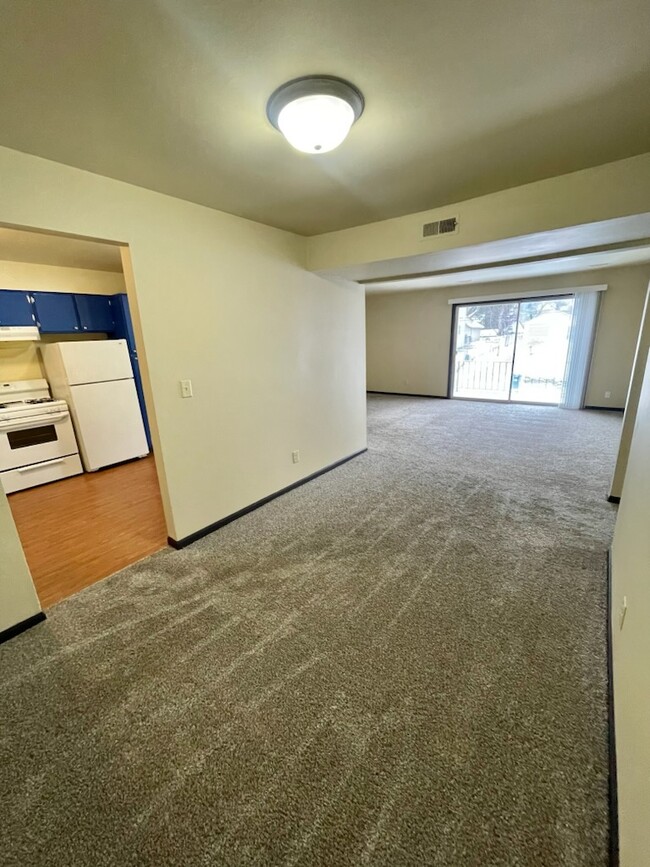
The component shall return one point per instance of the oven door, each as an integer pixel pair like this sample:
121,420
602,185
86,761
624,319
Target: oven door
39,438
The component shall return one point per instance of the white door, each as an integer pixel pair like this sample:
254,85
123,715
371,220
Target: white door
108,423
95,361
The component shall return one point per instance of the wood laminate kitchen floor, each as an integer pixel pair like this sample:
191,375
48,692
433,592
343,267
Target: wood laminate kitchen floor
80,530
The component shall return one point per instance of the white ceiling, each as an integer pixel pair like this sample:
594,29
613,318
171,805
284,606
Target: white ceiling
519,270
17,245
462,98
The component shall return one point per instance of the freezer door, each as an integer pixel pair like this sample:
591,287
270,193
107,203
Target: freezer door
108,422
95,361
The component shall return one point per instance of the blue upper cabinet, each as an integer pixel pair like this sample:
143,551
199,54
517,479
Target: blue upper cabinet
56,313
95,313
15,308
62,313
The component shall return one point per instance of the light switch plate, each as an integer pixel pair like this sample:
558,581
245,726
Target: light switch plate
186,388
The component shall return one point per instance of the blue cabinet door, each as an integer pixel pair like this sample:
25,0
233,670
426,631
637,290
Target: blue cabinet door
124,331
95,313
15,308
137,378
56,313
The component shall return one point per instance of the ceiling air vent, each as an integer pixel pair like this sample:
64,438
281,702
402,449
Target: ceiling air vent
440,227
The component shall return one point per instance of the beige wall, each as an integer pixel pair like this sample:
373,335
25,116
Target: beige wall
54,278
408,333
631,643
275,353
619,322
605,192
21,360
18,599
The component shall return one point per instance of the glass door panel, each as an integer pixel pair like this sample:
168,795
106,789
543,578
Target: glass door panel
512,350
541,350
484,346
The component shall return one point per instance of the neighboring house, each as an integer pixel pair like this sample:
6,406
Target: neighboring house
468,331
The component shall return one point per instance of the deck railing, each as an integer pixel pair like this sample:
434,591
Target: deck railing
482,375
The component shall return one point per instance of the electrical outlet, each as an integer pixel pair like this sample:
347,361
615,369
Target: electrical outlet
608,394
186,388
295,456
623,612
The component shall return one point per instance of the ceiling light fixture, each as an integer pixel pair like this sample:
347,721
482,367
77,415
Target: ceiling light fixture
315,113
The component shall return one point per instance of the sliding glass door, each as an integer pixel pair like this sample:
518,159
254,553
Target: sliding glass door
484,350
512,350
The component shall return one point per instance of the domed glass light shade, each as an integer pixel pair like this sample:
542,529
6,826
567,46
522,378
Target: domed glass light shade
315,114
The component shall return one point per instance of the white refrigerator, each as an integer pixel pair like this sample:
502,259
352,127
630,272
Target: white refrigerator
95,378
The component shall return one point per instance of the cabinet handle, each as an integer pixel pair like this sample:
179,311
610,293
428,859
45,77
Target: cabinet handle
85,328
76,328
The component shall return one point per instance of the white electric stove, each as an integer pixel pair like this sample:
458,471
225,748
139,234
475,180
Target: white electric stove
37,441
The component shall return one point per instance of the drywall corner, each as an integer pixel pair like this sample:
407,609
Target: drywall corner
630,575
129,282
632,403
18,599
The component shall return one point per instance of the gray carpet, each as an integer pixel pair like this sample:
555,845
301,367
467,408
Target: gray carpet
401,663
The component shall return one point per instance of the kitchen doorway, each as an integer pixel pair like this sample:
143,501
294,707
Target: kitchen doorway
512,351
76,455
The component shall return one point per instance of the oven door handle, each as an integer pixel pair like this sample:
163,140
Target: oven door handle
35,421
38,466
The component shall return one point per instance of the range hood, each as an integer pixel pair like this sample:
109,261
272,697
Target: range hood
19,332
